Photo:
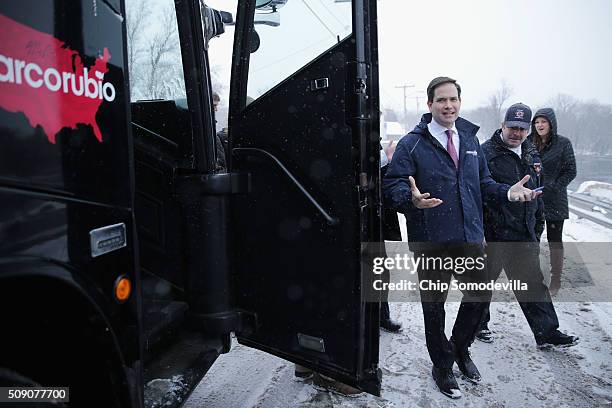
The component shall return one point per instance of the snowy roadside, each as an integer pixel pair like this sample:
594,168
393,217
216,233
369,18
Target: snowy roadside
515,372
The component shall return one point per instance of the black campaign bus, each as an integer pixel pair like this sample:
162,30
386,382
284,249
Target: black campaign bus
127,256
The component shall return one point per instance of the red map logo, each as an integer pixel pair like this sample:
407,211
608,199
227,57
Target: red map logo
43,78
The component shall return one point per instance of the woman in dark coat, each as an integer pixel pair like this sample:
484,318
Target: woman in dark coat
559,169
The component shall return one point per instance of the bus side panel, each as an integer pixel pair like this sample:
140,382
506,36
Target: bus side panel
63,111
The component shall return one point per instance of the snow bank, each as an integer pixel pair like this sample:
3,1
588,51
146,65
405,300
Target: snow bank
582,230
598,189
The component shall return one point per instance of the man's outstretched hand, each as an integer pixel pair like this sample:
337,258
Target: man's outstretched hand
422,201
519,192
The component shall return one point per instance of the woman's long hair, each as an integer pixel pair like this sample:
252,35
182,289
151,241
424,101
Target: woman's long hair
537,139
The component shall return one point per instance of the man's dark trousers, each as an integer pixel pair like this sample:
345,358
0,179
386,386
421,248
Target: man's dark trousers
521,261
471,308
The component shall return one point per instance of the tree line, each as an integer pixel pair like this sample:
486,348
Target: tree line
585,123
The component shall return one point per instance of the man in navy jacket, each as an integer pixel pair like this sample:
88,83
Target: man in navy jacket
443,158
510,231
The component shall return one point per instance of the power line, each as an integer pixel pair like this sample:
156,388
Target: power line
319,18
288,56
332,13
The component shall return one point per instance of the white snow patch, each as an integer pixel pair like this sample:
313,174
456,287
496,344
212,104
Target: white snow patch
598,189
582,230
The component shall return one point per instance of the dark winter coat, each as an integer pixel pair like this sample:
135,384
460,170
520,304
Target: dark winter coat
559,166
512,221
459,217
221,161
390,223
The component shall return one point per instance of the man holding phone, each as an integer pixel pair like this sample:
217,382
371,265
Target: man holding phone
512,242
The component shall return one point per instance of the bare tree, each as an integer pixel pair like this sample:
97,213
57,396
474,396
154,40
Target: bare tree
137,19
159,48
497,101
483,118
564,104
137,16
570,113
586,124
489,117
154,57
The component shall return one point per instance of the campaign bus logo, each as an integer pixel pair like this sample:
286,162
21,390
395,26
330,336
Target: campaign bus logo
47,81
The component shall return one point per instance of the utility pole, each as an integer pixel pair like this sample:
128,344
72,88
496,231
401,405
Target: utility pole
416,98
404,87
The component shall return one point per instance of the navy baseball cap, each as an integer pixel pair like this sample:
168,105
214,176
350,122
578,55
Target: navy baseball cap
518,115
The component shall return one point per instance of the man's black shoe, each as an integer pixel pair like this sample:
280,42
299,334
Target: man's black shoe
465,364
302,373
386,323
390,325
484,335
557,338
445,380
323,383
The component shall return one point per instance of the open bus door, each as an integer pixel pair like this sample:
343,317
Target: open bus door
304,124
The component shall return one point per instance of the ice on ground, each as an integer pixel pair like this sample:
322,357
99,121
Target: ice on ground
163,392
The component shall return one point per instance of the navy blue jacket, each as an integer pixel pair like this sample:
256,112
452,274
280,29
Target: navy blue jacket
459,217
514,222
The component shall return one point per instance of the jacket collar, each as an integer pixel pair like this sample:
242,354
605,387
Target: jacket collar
464,127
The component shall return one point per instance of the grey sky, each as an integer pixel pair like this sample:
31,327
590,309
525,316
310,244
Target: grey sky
540,48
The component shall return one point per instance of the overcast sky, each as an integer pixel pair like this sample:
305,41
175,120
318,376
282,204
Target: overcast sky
540,48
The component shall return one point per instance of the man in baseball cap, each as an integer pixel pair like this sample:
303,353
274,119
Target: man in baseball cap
510,229
518,115
515,127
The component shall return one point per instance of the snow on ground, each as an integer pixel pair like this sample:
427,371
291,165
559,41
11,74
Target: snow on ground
515,372
582,230
597,189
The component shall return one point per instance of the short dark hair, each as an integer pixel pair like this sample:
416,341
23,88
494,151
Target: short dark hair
436,82
216,97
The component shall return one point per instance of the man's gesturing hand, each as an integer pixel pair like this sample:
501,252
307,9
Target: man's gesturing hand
422,200
519,192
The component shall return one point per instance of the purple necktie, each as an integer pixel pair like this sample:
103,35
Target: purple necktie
450,147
